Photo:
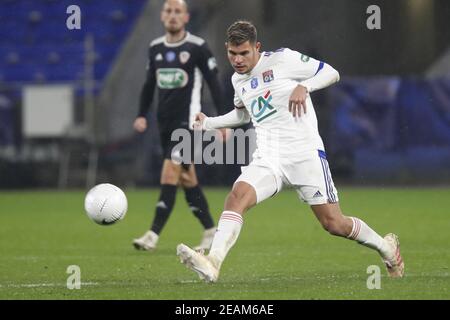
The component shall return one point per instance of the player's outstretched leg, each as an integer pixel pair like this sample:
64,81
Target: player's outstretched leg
230,223
332,219
203,265
207,267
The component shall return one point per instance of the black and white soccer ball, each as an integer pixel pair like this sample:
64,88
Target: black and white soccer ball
106,204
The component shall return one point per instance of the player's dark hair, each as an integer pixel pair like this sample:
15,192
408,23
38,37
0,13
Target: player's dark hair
240,32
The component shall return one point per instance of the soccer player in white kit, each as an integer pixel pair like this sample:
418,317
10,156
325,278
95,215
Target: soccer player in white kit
272,90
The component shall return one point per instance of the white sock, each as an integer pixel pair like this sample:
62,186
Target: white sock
364,235
228,230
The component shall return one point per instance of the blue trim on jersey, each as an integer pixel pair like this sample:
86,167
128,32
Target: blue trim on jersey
322,154
320,67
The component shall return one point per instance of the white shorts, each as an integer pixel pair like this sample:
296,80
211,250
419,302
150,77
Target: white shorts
310,176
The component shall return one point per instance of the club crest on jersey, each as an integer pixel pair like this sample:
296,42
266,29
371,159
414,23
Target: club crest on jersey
170,56
268,76
261,107
184,56
254,83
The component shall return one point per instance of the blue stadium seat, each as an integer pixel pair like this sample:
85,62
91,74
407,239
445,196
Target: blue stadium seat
35,30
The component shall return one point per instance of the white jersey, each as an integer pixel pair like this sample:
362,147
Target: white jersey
265,93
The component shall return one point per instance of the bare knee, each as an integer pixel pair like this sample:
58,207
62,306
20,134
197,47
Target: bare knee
170,173
234,200
240,199
169,178
188,178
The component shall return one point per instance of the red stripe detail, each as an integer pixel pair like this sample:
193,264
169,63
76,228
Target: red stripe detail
231,215
234,217
355,229
267,94
399,257
359,228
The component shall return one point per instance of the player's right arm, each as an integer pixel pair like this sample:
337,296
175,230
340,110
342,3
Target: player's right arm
232,119
147,92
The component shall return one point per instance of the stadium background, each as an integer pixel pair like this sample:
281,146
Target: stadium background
386,124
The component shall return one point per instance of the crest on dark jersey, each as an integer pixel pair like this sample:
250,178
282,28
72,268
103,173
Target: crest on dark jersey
184,56
170,56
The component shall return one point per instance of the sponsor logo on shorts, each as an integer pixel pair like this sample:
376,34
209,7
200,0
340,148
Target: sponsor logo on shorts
317,194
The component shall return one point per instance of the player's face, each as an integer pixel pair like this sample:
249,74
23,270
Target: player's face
243,57
174,16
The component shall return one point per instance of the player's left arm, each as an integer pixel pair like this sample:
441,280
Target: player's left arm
312,75
208,66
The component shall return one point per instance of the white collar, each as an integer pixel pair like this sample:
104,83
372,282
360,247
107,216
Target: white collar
176,44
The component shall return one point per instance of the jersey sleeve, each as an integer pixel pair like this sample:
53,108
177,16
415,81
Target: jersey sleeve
207,64
148,88
238,104
300,66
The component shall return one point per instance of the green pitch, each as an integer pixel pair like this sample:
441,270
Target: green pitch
282,252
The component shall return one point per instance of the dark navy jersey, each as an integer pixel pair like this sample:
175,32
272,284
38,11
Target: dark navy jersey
178,70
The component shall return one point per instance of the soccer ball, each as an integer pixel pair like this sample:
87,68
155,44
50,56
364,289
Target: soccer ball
105,204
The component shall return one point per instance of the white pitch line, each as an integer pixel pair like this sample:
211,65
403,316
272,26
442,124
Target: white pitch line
189,281
37,285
